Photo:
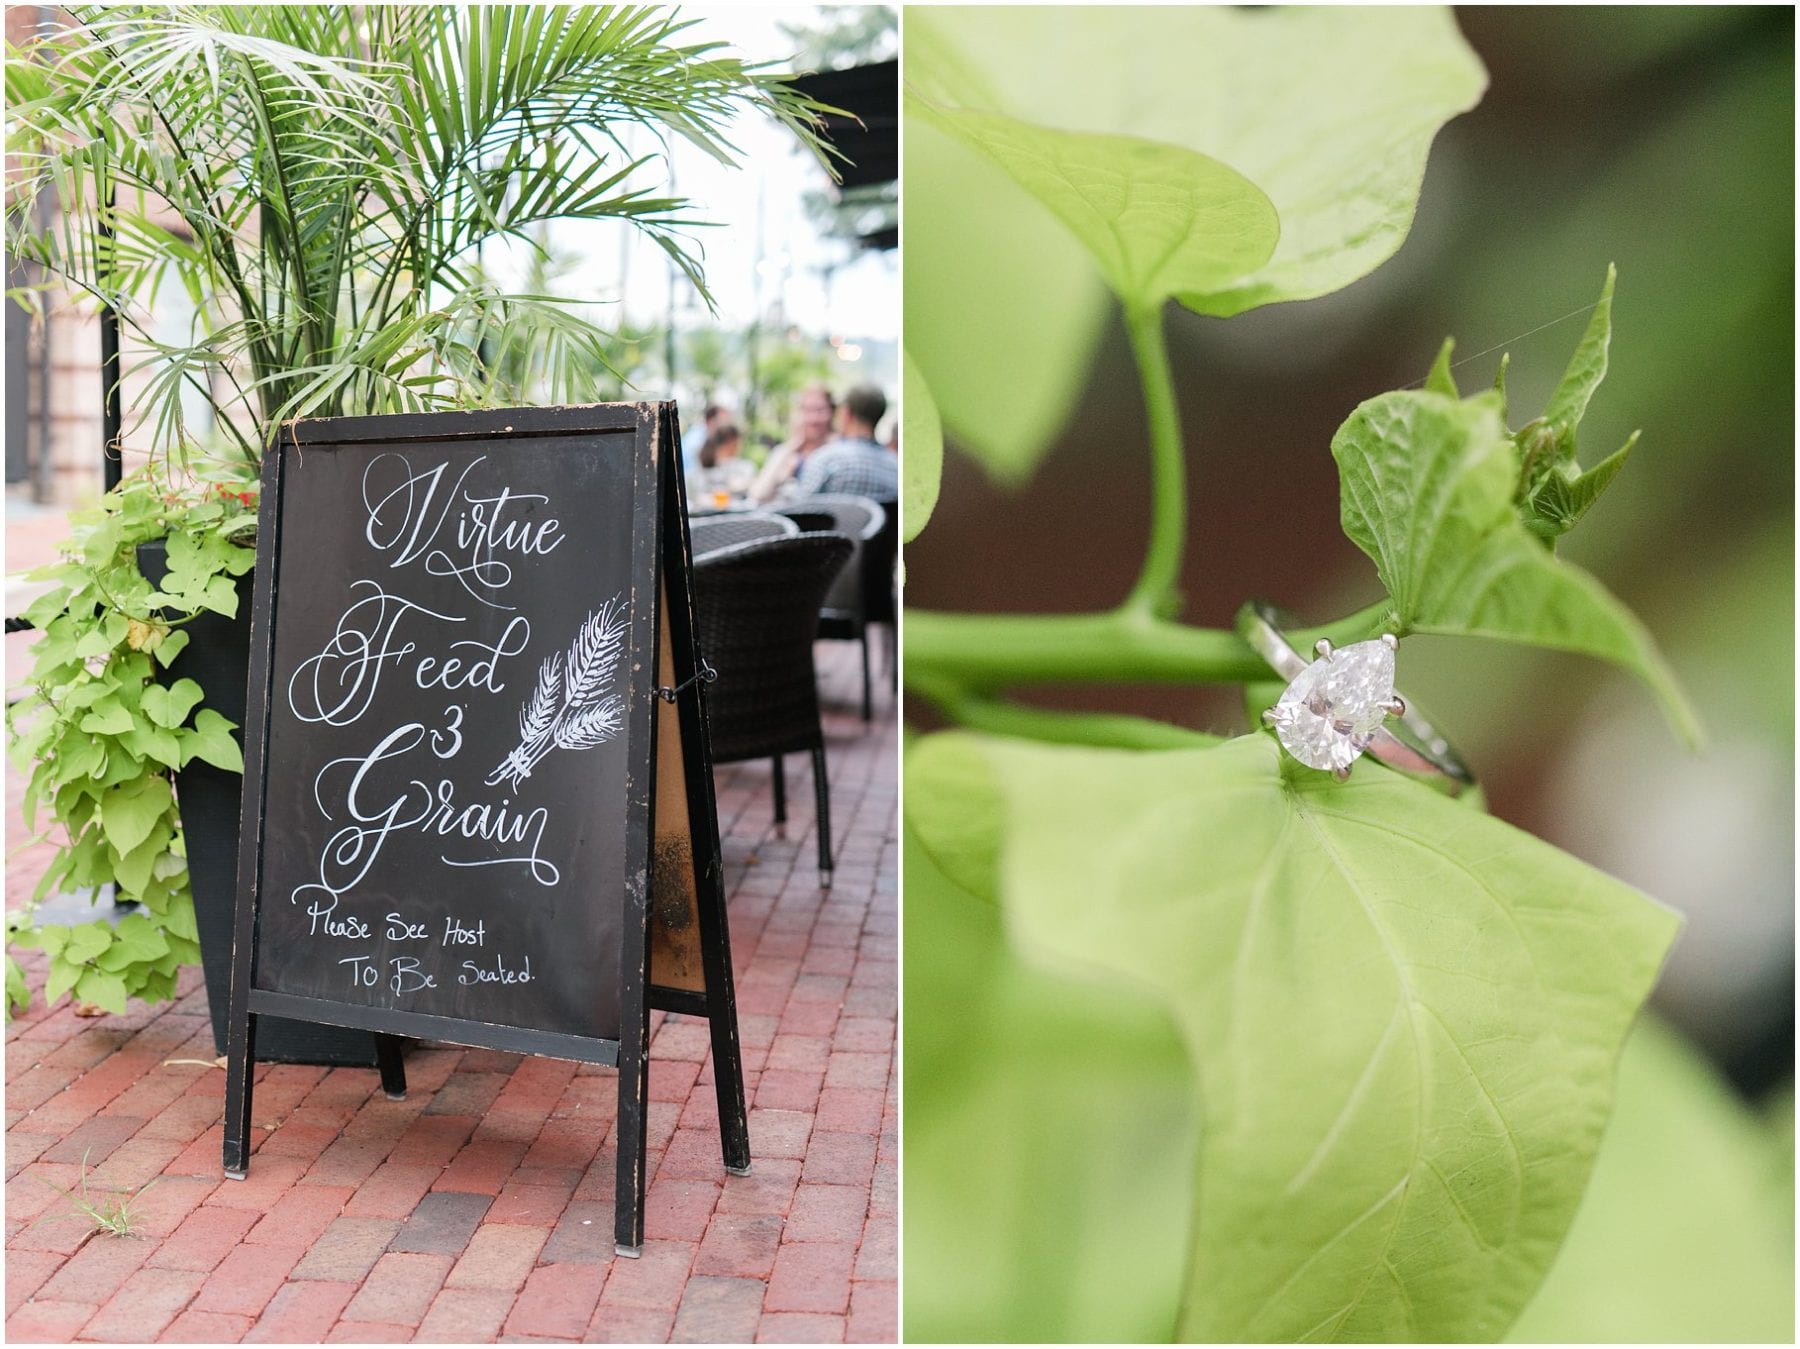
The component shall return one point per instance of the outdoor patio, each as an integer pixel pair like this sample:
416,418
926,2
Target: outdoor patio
480,1207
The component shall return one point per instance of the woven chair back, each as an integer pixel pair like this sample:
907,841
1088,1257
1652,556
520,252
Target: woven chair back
858,519
757,605
710,533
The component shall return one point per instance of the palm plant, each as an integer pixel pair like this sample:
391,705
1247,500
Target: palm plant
321,179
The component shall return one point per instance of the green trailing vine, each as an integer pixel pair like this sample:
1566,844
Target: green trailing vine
101,733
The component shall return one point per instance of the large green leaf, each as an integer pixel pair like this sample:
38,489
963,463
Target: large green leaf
1048,1138
211,741
1428,485
1686,1232
1329,111
129,812
1404,1016
1003,309
1161,220
922,440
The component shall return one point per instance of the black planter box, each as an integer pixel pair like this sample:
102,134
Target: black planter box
217,657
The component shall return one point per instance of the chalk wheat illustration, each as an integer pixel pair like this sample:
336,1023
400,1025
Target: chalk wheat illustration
570,707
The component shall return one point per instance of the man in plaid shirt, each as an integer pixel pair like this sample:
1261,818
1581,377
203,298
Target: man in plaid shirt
855,464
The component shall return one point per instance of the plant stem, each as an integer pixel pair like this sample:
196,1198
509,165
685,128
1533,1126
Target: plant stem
1155,593
998,717
988,651
957,659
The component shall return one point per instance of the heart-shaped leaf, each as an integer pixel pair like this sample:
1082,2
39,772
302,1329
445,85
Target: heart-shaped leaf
170,706
1048,1139
1329,111
1428,493
212,741
129,812
102,989
86,942
1685,1234
1003,309
170,647
1159,219
922,444
1404,1016
108,717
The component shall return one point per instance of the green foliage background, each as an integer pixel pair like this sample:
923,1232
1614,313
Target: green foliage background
1657,139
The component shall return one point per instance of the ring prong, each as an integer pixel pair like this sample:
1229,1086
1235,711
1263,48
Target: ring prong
1396,706
1390,641
1268,716
1323,647
1341,774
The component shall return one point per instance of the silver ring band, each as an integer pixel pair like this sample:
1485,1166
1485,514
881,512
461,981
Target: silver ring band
1408,744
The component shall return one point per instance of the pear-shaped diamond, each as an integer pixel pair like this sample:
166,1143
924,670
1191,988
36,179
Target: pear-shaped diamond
1335,705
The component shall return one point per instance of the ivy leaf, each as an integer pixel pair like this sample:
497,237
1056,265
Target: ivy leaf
170,647
1004,312
1328,111
130,811
1427,492
170,706
135,870
102,989
922,437
153,742
1160,219
61,978
1048,1139
94,643
179,922
211,742
46,607
86,942
135,939
89,692
1404,1017
221,596
18,992
108,717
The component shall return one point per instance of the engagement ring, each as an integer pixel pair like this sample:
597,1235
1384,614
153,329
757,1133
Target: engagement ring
1343,704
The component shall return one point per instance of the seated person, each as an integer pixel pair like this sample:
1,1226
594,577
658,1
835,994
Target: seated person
722,467
715,416
856,463
811,430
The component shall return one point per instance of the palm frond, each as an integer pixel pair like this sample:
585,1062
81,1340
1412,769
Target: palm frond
316,178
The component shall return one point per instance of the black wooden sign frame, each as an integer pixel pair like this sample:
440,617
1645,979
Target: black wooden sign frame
662,605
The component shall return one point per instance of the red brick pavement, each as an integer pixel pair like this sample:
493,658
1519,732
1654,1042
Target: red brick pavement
480,1208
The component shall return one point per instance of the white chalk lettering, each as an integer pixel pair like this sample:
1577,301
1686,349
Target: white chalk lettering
398,929
499,974
455,934
409,508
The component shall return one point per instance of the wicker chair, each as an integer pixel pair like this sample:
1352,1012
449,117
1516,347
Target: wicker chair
880,591
843,616
709,533
757,605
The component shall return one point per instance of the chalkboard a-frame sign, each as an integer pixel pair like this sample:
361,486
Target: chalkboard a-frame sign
478,800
